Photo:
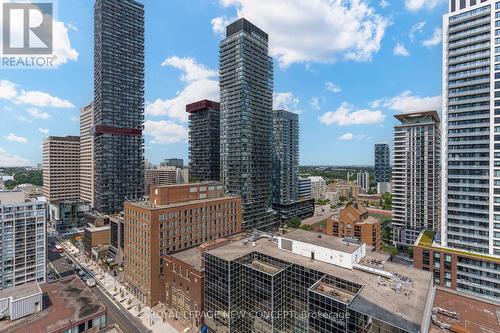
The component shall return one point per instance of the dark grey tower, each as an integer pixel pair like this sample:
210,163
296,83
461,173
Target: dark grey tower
246,97
204,140
118,102
382,163
285,157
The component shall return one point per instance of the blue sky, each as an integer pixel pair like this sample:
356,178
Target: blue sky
345,66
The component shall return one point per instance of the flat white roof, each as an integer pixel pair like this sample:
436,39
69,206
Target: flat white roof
11,197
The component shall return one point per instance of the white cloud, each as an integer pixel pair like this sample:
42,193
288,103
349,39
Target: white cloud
323,31
406,102
285,101
14,138
349,137
35,113
315,103
219,24
330,86
10,160
165,132
43,130
415,5
201,83
347,115
39,98
416,28
7,89
346,137
384,4
435,39
24,119
62,45
191,69
400,50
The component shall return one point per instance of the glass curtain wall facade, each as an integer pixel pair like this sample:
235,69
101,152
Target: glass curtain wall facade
246,99
204,140
285,157
382,163
260,293
118,103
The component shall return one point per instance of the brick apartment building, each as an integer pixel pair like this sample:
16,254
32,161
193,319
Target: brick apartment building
184,282
354,222
175,218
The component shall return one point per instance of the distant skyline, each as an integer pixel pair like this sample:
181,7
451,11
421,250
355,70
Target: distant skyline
345,69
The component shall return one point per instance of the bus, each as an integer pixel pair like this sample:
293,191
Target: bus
59,248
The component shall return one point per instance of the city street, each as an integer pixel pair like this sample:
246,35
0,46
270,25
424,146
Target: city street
116,314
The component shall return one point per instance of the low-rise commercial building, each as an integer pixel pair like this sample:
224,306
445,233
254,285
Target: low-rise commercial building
68,217
464,271
95,237
355,223
176,217
316,283
117,238
369,199
68,305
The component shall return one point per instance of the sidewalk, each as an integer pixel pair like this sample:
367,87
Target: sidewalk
119,294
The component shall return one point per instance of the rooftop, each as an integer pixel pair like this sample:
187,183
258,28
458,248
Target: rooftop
64,138
244,25
12,197
202,105
330,242
97,229
376,297
418,117
65,302
151,206
21,291
316,179
466,313
192,257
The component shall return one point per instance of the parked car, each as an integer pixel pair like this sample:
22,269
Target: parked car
90,282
